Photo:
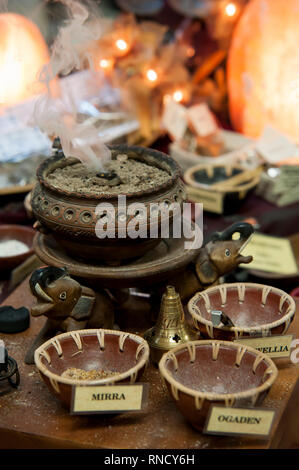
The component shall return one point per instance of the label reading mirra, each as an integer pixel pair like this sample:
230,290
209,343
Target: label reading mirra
109,398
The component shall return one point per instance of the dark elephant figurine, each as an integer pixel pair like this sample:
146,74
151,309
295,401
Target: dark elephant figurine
218,257
67,305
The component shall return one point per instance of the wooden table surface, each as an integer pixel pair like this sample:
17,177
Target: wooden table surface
30,417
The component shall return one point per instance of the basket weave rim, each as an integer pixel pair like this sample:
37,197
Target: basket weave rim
195,312
218,396
87,332
188,177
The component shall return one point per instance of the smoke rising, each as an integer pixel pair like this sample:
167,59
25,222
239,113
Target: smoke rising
56,115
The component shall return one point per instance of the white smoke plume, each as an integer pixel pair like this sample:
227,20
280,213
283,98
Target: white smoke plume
56,115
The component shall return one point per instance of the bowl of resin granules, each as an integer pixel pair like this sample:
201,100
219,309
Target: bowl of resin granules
199,374
90,357
16,245
91,213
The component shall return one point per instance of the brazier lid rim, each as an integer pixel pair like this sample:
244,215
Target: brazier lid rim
122,148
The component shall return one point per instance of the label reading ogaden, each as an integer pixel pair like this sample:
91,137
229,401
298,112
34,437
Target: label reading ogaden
109,398
272,346
242,421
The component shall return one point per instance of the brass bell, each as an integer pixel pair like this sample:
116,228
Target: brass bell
171,328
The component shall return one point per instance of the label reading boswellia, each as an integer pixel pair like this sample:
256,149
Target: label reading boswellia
108,398
272,346
242,421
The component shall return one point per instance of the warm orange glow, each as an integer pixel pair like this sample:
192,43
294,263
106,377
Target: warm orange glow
122,45
106,64
166,98
23,52
190,51
178,96
152,75
230,9
263,66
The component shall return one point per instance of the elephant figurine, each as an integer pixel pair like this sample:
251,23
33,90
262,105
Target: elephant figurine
218,257
67,305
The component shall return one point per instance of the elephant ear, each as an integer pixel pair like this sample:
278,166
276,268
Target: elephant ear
205,270
83,308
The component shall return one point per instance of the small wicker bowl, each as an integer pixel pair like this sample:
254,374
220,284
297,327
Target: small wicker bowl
254,309
97,349
201,373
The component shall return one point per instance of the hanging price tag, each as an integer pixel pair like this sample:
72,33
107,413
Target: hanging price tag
202,120
174,119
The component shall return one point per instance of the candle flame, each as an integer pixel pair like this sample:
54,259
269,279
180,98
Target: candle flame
178,96
106,63
121,44
151,75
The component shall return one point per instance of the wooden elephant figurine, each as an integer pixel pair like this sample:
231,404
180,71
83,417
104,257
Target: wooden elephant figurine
218,257
67,305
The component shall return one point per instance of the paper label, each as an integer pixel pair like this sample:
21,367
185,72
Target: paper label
202,120
174,119
273,254
212,201
223,420
108,398
272,346
275,147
